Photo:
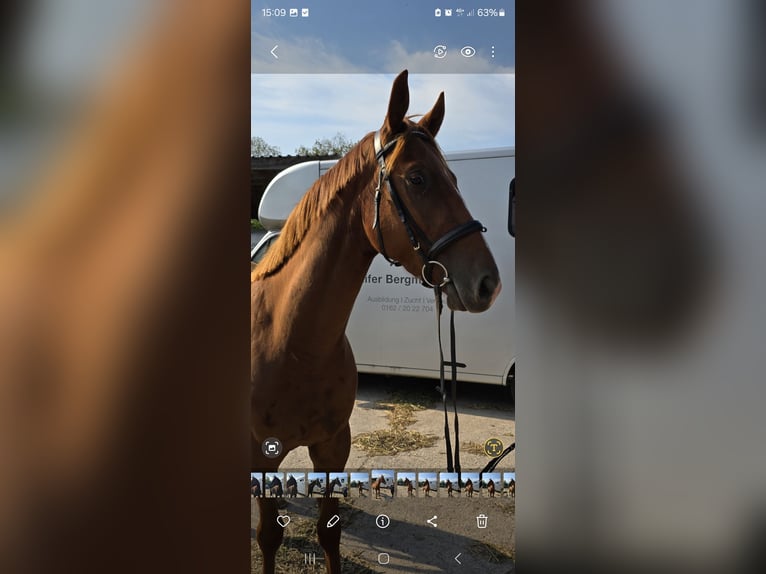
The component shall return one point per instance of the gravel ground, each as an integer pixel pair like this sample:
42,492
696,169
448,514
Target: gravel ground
485,412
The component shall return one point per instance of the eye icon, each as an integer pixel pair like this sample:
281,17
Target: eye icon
468,51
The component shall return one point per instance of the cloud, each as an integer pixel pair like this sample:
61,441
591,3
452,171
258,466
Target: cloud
289,110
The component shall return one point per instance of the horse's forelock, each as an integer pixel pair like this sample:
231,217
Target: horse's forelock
398,149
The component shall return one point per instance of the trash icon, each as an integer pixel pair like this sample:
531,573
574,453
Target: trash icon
481,521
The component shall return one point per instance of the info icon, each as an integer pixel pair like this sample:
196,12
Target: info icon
382,521
493,447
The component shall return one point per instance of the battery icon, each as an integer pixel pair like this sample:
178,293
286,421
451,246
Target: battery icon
501,12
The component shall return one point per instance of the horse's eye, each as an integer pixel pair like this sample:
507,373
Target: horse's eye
416,179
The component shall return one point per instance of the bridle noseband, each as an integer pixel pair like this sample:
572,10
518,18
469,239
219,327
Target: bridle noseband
415,235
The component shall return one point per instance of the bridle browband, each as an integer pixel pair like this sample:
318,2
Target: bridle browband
416,235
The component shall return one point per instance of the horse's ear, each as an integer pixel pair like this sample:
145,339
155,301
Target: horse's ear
397,105
432,121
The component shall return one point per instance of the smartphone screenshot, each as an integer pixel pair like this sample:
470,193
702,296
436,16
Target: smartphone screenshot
382,287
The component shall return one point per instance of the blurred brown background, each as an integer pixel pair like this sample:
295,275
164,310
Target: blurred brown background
639,239
124,438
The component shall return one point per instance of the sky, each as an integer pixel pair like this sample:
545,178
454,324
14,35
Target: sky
290,110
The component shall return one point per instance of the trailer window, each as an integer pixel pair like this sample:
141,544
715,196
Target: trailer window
512,208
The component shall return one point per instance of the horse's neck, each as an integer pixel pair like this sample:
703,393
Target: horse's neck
322,279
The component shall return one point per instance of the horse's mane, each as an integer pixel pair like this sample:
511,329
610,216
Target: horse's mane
314,204
318,200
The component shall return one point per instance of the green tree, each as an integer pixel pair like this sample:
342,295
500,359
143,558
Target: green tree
339,144
259,148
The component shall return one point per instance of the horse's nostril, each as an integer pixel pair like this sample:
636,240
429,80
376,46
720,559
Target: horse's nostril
487,287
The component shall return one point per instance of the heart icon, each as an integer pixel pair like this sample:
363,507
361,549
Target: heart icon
283,520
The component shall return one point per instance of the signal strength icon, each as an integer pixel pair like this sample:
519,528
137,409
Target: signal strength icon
471,12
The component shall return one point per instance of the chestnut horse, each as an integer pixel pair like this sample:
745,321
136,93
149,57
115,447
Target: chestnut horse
427,489
469,488
491,488
410,488
393,193
375,487
449,488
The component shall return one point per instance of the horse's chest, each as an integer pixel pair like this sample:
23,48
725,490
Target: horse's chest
303,402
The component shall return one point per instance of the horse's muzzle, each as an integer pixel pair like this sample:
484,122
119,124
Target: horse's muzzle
475,297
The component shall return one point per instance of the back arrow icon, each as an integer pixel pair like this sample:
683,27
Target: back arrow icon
272,51
456,558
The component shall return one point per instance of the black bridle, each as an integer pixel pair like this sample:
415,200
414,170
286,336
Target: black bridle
418,239
414,233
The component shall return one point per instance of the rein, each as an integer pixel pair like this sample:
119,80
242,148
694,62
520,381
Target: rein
429,260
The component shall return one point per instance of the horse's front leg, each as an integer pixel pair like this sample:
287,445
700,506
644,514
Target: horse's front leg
329,537
330,456
269,533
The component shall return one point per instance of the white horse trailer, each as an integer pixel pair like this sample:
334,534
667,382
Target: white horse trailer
392,325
